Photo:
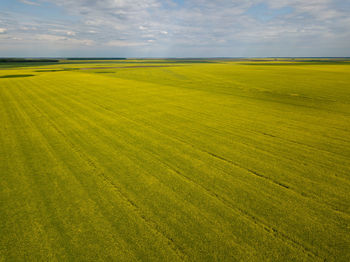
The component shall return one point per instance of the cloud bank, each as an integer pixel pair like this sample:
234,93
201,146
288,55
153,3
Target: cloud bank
176,28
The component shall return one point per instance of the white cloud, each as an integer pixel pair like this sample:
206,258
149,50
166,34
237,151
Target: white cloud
50,38
122,43
3,30
70,33
29,2
63,40
17,38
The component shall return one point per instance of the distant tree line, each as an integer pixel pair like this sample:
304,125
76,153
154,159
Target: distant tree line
27,60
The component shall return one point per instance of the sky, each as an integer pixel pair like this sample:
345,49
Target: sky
174,28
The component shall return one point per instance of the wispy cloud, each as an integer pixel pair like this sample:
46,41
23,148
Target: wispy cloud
123,43
27,2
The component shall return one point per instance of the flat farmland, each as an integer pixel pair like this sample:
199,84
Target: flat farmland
161,160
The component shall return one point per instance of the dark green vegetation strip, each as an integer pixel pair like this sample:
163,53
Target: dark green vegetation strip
204,162
15,76
21,64
27,60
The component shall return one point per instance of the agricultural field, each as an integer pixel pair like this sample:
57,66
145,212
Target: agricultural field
175,160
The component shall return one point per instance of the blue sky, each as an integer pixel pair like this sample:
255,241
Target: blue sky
174,28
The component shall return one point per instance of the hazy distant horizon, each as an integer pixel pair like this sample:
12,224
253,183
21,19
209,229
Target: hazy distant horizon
211,57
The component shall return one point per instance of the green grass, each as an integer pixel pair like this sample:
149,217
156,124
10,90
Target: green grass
225,161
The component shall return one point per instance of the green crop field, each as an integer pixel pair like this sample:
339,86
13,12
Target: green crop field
164,160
